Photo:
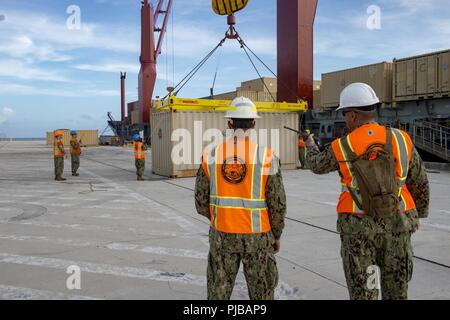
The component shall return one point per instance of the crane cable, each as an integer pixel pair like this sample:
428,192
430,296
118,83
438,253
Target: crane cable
256,69
267,67
246,49
215,74
167,64
173,45
189,76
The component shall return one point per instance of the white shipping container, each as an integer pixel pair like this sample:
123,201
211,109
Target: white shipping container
164,123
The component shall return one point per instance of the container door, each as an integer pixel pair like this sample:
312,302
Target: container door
400,79
422,75
444,72
410,78
432,74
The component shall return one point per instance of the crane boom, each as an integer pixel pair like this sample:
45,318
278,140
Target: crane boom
150,53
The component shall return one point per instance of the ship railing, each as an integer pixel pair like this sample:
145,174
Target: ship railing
432,137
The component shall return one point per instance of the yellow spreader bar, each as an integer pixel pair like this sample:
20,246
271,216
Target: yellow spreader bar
175,103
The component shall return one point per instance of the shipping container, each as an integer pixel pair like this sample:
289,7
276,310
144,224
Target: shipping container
262,96
135,117
132,106
165,123
444,73
317,99
422,77
224,96
267,85
89,138
378,76
317,84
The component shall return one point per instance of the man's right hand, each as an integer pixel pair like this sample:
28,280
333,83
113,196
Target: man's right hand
310,141
276,246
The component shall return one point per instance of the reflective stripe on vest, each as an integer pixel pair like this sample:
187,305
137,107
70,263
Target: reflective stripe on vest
56,150
139,152
239,207
353,186
359,141
400,145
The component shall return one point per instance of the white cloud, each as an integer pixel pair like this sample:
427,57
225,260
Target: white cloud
5,114
22,46
21,70
194,41
7,111
412,6
20,89
408,27
33,35
110,67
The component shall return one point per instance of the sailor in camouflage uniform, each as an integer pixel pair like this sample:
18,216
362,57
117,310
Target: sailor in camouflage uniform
366,240
75,152
244,226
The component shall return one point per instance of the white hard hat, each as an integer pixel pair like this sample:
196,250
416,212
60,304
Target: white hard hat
357,95
242,108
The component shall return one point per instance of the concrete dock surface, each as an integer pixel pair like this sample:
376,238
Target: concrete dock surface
144,240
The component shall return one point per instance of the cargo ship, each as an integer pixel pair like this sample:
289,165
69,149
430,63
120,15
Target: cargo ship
414,94
414,91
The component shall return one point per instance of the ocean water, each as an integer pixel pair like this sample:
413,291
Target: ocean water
22,139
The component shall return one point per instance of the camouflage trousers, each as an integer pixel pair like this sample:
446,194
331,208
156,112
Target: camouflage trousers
302,157
140,167
59,166
260,270
75,162
392,255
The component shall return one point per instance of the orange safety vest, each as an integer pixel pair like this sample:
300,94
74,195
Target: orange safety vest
57,146
301,142
237,171
359,141
139,151
75,150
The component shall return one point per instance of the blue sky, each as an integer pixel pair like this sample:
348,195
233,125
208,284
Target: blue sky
52,77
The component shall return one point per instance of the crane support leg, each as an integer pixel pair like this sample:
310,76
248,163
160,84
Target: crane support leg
295,21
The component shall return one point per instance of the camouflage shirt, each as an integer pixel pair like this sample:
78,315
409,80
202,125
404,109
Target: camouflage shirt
276,204
417,184
75,143
75,147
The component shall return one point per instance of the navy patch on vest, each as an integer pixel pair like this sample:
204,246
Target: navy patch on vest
234,170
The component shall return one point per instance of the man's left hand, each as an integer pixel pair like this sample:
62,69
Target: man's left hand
276,246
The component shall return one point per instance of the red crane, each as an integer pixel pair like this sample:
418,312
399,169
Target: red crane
295,20
150,52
